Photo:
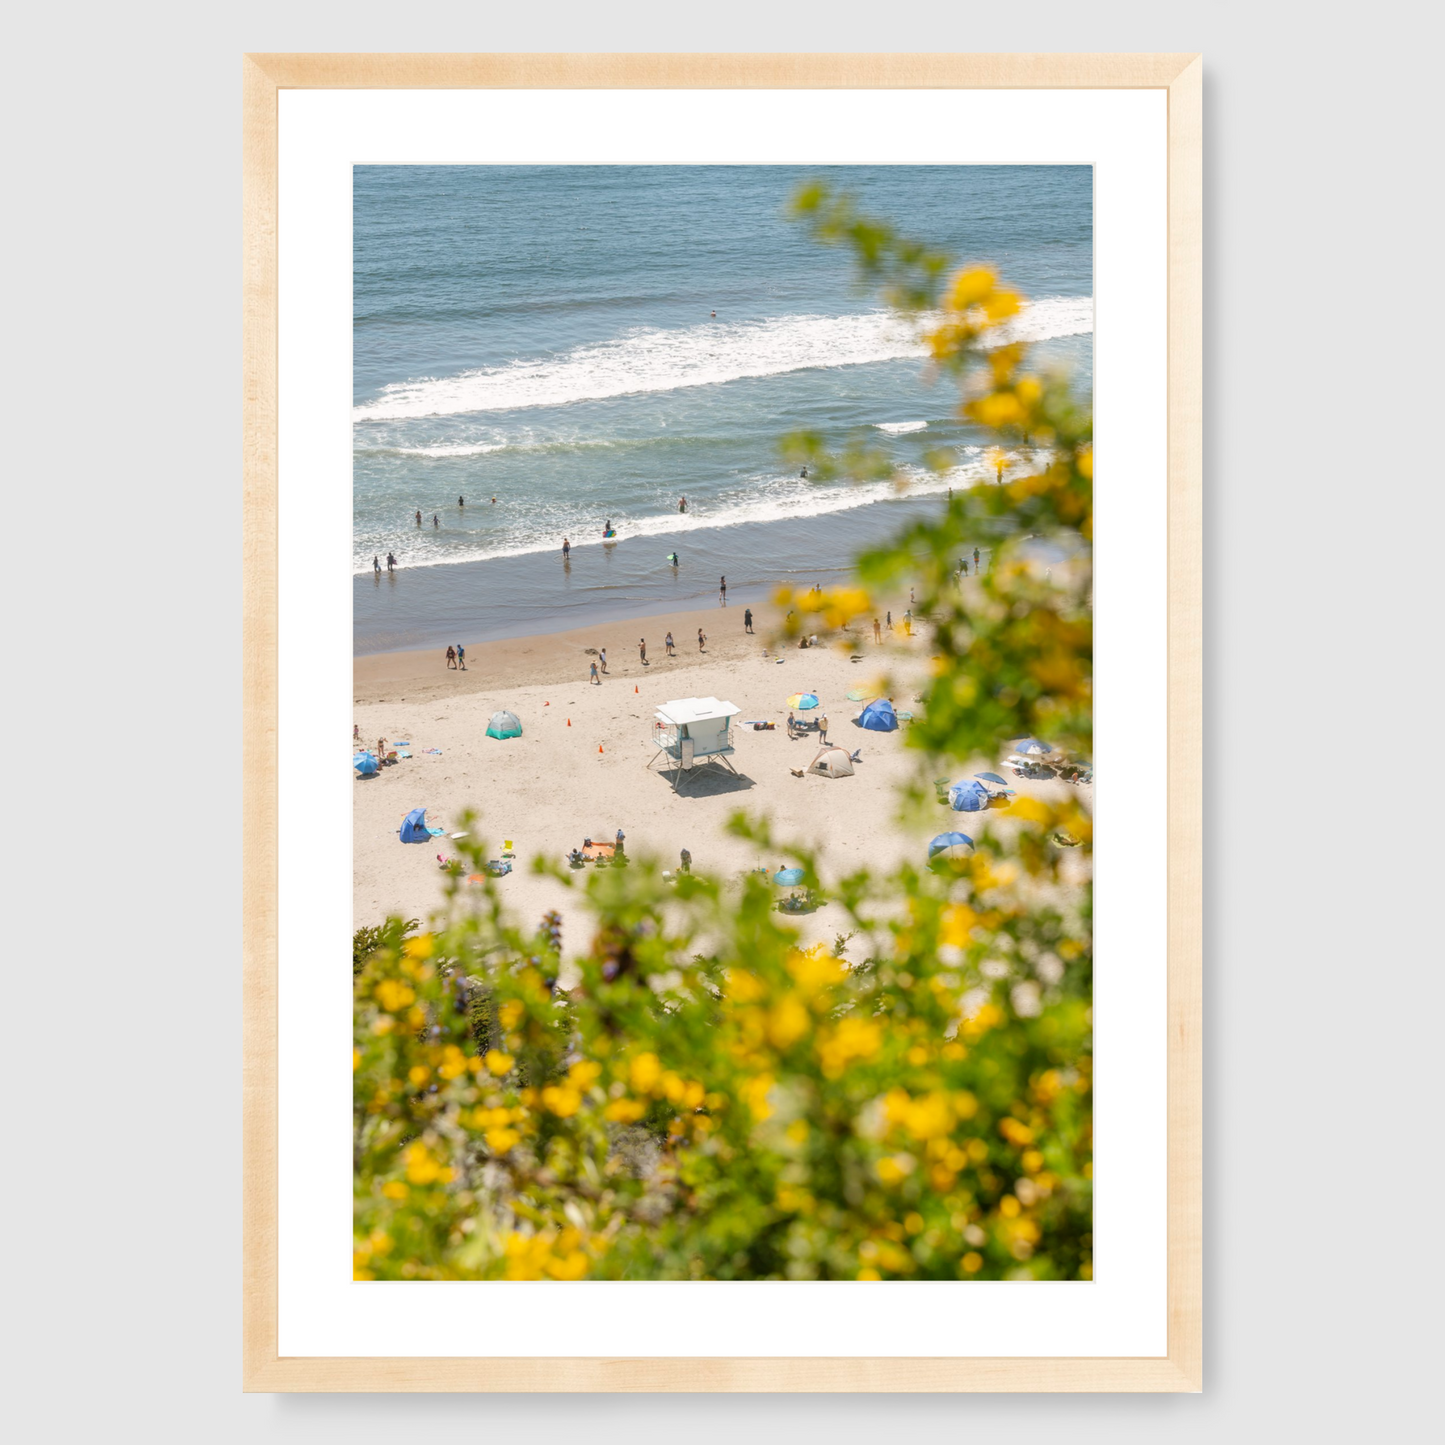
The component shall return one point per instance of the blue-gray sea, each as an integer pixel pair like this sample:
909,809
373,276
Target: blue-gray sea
591,344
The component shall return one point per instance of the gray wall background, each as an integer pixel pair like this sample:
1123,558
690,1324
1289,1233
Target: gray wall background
121,370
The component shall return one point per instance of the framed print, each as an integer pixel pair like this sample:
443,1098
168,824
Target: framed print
678,476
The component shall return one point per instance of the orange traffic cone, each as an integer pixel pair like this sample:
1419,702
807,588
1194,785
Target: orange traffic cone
599,747
634,687
569,722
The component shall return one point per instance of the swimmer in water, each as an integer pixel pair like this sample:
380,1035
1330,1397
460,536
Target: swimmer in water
418,519
682,504
672,558
804,472
461,501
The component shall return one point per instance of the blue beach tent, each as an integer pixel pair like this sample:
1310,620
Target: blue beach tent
969,796
879,717
414,828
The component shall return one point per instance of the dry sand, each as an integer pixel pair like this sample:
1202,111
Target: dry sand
552,787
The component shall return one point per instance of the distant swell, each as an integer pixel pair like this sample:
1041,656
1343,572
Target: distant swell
656,360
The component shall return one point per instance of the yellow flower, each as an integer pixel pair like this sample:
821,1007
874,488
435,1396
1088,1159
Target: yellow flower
970,287
569,1266
869,1274
624,1111
393,995
814,969
894,1168
958,923
584,1073
511,1013
645,1072
419,947
355,1060
500,1140
562,1100
418,1074
853,1038
755,1096
972,1262
499,1063
394,1189
788,1021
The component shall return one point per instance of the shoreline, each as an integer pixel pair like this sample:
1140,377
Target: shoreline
419,674
480,602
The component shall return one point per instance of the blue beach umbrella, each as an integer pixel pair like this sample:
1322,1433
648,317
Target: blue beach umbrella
947,843
365,764
1031,745
969,796
788,876
992,778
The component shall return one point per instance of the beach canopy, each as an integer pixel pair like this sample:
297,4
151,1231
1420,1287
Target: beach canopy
950,845
859,694
879,717
803,700
788,876
832,763
1031,745
992,778
969,796
414,828
365,764
504,725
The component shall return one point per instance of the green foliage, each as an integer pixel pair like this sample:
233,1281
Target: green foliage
368,940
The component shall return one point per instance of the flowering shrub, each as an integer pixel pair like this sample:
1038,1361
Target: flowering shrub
689,1094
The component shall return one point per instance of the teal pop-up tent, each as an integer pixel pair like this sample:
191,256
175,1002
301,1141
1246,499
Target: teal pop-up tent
504,725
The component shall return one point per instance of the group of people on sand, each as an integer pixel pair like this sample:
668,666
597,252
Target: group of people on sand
599,667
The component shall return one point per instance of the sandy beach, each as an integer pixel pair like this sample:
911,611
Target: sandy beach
580,767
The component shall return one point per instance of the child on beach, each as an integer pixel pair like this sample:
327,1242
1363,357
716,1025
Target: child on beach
668,644
594,677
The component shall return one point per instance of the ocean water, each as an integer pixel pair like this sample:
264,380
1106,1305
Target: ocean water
545,336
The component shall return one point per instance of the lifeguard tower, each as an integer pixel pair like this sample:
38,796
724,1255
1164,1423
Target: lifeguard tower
691,733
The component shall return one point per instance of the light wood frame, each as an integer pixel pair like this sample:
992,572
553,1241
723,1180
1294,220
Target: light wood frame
1181,75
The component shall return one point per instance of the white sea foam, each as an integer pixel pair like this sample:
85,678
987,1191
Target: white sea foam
901,426
772,499
654,360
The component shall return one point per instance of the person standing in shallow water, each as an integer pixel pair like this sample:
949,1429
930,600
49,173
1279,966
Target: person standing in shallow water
722,591
418,518
566,547
435,520
461,501
391,561
376,565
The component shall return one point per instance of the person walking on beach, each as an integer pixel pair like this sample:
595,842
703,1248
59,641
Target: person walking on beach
594,677
668,644
888,620
461,658
701,641
722,591
376,565
686,864
602,658
908,622
975,561
823,729
642,648
566,548
747,619
877,631
451,656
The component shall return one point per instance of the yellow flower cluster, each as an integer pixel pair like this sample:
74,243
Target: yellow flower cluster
548,1254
